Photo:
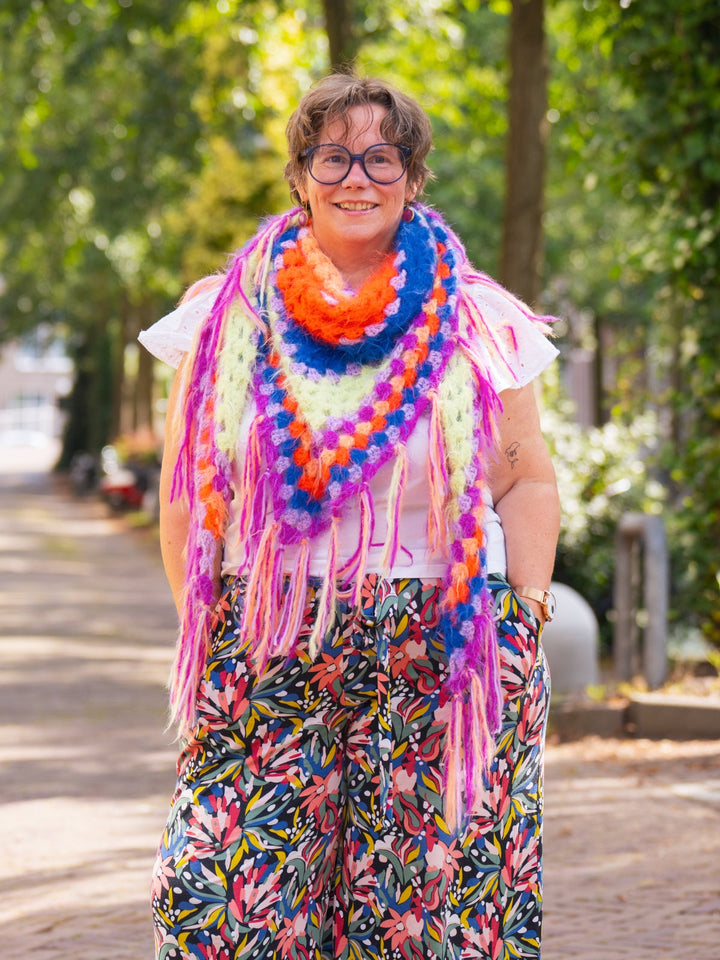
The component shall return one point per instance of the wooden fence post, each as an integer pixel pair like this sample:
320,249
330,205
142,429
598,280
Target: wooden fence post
648,531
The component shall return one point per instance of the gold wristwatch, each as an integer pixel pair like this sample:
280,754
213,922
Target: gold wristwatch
543,597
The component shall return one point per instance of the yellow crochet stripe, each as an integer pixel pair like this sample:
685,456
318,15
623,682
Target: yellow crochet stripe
238,352
456,394
234,373
316,401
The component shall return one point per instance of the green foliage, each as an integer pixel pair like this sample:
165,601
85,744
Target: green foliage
593,224
140,142
417,46
634,187
112,118
668,54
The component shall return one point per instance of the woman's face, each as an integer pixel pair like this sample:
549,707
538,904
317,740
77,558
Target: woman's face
356,220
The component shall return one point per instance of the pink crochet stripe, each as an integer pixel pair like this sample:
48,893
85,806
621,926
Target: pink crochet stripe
274,609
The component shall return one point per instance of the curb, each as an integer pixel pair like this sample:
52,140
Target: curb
673,718
647,716
573,721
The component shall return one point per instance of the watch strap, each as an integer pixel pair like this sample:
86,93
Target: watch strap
544,597
532,593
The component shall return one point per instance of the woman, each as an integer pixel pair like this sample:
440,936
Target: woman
359,516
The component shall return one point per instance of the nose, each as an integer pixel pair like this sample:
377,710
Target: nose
356,174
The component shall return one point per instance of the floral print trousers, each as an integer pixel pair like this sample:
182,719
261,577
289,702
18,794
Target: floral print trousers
307,820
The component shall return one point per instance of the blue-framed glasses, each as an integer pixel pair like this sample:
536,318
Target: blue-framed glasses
330,163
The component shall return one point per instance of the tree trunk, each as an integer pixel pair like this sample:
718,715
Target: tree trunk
338,26
116,415
522,240
144,388
142,401
88,406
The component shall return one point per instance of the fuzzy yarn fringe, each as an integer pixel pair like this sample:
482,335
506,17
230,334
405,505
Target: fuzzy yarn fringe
406,341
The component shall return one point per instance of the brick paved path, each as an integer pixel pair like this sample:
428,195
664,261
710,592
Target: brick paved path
632,833
86,630
632,850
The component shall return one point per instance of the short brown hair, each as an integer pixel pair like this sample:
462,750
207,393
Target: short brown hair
330,99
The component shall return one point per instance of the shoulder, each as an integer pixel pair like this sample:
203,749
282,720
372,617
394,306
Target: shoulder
173,335
512,340
171,338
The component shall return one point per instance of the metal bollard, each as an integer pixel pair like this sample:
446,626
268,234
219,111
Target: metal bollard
637,529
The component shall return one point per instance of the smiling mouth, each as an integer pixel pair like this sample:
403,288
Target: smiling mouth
356,206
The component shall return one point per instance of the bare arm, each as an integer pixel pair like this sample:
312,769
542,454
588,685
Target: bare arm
525,494
174,515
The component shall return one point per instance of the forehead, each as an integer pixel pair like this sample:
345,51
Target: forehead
361,125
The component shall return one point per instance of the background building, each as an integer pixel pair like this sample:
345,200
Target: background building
35,372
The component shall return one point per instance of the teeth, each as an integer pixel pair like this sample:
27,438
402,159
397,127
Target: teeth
356,206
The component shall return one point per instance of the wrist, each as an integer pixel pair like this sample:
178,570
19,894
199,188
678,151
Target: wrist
541,602
537,609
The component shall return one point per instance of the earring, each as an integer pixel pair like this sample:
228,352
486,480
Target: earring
408,213
304,215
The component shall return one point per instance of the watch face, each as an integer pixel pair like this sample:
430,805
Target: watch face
550,605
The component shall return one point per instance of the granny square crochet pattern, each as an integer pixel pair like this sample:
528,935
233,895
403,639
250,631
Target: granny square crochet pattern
285,331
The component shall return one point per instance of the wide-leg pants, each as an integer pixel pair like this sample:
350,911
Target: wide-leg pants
307,820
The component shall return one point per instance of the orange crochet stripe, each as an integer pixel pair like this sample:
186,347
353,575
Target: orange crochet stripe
461,572
306,301
215,508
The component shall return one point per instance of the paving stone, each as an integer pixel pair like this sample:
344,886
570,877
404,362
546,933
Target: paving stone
632,827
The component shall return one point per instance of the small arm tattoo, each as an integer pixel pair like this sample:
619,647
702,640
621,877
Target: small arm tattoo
512,454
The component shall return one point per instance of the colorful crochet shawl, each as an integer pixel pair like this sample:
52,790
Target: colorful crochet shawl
285,332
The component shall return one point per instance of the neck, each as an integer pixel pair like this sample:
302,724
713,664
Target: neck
355,265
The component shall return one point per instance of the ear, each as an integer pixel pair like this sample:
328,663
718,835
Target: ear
410,192
301,188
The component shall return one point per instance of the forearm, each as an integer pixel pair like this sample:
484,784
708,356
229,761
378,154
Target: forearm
530,517
174,513
174,522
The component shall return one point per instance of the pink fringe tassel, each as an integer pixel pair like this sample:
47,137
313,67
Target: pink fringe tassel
186,673
438,481
328,595
249,484
354,568
397,487
476,714
453,765
261,612
295,603
367,525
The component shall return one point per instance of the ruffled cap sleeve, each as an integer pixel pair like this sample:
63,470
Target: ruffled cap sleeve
510,342
172,336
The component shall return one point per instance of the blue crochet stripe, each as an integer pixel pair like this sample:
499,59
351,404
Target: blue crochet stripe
318,510
420,264
452,620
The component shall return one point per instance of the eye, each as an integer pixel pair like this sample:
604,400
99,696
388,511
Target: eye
380,157
329,156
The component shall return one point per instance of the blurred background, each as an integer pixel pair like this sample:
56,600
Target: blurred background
577,153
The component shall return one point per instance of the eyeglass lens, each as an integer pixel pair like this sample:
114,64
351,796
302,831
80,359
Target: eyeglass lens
330,163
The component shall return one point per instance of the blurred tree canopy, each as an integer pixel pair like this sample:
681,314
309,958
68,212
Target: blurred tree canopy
141,140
